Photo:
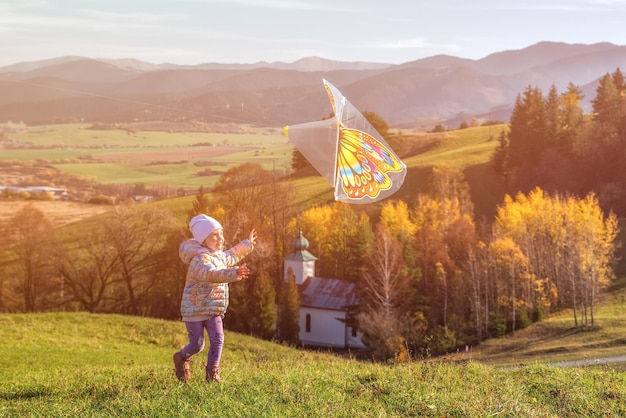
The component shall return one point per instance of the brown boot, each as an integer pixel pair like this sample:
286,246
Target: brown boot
213,374
181,367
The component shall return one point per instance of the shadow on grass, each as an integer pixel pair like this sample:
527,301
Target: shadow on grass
27,393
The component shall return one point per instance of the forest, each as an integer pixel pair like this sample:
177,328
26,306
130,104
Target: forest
431,278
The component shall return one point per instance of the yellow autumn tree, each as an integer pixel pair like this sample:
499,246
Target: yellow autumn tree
338,237
592,253
569,243
442,218
535,224
448,183
513,281
395,218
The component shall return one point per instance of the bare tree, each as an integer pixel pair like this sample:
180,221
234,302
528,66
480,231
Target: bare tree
136,233
34,240
88,268
384,291
244,184
476,270
277,217
113,267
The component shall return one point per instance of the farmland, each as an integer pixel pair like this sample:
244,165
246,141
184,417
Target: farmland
114,160
127,155
58,212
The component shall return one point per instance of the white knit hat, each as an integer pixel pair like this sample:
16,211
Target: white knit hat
201,226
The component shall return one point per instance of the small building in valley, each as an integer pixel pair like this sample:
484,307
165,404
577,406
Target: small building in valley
326,304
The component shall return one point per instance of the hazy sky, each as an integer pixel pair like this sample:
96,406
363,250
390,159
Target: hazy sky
248,31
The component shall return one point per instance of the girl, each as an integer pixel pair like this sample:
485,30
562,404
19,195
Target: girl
205,297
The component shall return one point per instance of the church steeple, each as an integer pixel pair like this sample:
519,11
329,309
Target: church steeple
300,243
300,263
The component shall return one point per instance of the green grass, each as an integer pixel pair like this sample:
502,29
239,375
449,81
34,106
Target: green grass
462,148
65,144
465,147
177,175
79,364
79,135
556,339
470,148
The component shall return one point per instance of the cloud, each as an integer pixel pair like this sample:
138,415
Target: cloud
413,43
296,5
82,20
575,6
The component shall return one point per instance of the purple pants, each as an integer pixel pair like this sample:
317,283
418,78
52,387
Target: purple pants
215,328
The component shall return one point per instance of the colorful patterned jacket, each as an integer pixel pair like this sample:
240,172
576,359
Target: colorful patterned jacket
209,272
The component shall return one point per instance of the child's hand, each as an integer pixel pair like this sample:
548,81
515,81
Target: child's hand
252,236
243,271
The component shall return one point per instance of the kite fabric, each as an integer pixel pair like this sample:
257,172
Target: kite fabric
349,153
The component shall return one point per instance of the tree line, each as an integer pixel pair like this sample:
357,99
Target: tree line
430,278
553,144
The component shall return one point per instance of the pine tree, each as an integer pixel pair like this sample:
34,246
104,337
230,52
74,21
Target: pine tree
609,107
263,307
289,313
527,137
571,116
501,160
200,205
553,118
607,101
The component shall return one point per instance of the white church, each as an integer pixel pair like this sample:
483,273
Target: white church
324,303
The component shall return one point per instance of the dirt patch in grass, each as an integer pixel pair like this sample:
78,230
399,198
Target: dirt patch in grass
58,212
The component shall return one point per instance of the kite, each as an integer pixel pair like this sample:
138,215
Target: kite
349,153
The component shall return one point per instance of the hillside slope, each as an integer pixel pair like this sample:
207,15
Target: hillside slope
79,364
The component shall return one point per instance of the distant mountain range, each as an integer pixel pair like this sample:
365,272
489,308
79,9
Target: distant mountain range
418,94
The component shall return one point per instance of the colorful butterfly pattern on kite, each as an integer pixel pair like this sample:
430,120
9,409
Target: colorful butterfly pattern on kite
363,163
348,152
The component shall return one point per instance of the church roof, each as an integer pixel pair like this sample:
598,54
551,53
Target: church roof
335,294
302,255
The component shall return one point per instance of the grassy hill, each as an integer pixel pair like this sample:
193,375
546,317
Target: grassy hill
556,339
79,364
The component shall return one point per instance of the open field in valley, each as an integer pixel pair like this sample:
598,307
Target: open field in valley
130,156
59,213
